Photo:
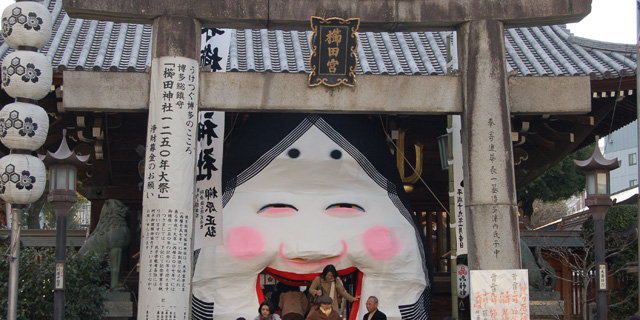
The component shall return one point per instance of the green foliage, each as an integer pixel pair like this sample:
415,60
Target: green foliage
73,222
85,282
621,250
558,183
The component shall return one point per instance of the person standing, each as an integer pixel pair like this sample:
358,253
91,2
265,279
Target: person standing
374,313
293,303
325,311
329,284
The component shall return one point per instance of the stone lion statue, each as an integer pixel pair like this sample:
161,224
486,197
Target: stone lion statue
110,236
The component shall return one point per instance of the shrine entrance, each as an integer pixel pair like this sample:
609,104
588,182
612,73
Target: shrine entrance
483,94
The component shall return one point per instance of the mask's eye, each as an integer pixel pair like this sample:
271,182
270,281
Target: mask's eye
342,208
278,208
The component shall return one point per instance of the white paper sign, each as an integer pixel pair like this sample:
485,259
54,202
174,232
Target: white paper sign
500,294
459,217
167,219
59,275
602,277
208,205
463,281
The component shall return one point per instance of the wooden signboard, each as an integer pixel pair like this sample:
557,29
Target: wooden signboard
334,59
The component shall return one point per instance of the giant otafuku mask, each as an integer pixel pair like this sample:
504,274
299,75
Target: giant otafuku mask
304,191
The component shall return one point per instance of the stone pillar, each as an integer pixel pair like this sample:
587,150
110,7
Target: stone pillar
493,239
167,222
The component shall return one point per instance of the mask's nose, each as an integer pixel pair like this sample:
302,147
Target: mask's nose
314,249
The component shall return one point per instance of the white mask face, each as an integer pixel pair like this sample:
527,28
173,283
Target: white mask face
311,206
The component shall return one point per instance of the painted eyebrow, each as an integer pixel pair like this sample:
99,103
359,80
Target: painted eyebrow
277,206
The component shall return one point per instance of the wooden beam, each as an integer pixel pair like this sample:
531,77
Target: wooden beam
375,15
585,120
546,144
544,130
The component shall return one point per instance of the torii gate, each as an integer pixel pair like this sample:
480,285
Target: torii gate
484,93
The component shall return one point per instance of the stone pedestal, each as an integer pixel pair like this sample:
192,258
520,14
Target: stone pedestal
546,309
119,305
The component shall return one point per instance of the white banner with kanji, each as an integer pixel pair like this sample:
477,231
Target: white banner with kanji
459,217
167,217
208,194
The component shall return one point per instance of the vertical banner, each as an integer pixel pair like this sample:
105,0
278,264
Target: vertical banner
208,205
167,220
215,48
500,294
208,202
459,220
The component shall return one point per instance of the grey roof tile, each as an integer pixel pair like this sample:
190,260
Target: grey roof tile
424,56
537,51
282,51
563,46
407,53
541,36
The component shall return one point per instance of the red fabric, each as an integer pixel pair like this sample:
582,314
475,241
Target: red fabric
283,276
259,291
356,305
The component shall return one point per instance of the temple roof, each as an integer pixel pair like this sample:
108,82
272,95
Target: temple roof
544,139
80,44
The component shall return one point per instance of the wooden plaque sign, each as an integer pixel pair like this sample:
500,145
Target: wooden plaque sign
334,59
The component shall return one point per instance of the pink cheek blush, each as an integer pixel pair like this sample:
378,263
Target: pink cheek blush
244,242
381,243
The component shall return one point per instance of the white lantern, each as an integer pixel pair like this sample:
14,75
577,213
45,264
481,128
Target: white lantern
22,178
23,126
26,23
26,74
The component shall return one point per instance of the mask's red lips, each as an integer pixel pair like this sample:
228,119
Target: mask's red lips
305,279
312,264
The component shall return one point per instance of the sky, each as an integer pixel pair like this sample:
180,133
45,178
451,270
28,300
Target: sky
610,20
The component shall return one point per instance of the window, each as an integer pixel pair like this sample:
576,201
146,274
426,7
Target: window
633,182
633,159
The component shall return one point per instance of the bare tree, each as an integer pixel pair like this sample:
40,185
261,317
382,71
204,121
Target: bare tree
581,261
547,212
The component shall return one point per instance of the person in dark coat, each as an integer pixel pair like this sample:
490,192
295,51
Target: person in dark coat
325,311
374,313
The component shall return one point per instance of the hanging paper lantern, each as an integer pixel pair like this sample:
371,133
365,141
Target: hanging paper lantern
23,126
26,23
26,74
22,178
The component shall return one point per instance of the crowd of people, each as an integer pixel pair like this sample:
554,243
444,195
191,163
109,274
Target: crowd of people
322,302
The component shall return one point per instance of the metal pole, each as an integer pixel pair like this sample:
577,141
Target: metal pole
638,127
61,264
452,203
598,239
452,230
14,263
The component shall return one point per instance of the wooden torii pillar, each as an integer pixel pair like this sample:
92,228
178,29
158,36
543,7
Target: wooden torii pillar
484,93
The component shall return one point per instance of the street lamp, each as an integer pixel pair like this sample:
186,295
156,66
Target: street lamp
597,170
62,195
